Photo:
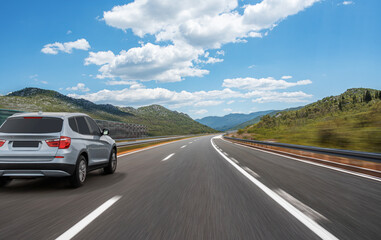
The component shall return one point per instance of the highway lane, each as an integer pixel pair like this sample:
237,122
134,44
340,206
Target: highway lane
350,204
45,208
187,190
193,195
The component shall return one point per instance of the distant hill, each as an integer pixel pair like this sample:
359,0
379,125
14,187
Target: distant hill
257,119
158,119
231,120
351,120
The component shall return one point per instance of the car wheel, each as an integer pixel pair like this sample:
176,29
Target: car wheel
4,181
112,163
79,176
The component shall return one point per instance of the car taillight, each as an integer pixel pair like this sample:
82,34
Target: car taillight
2,142
61,143
64,143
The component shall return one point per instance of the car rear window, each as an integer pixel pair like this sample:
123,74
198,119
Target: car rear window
32,125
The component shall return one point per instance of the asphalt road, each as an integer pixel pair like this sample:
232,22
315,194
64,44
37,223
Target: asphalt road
190,189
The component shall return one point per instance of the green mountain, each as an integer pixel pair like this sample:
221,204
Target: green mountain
158,119
231,120
257,119
351,120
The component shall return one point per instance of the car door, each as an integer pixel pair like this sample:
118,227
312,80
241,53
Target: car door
101,146
87,138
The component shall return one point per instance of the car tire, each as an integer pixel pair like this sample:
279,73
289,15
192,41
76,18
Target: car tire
112,164
4,181
79,176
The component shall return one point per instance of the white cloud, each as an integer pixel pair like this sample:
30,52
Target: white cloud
132,84
286,77
79,87
34,77
140,96
187,30
69,32
67,47
268,13
228,110
289,97
261,83
150,17
200,112
212,60
99,58
230,102
208,103
149,62
202,23
221,52
347,3
251,66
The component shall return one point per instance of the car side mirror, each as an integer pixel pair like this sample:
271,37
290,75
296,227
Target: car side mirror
105,132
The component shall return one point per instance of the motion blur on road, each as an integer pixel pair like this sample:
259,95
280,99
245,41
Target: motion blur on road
197,188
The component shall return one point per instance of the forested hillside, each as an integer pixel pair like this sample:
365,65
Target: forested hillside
351,120
158,119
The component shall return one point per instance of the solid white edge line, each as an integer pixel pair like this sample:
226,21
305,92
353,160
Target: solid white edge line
69,234
168,157
312,163
308,222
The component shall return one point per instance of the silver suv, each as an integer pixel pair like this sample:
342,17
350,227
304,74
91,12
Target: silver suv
54,145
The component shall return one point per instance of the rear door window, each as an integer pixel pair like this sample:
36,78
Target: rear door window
94,128
32,125
82,125
73,124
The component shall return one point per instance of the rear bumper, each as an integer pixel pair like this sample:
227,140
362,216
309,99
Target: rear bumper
36,170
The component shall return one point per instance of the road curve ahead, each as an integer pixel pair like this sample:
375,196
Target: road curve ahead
199,188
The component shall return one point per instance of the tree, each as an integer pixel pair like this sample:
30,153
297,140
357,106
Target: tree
354,99
367,97
341,105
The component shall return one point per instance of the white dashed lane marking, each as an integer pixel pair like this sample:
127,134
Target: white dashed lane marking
252,173
168,157
69,234
301,206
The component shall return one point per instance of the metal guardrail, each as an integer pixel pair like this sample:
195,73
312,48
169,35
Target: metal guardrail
367,156
131,143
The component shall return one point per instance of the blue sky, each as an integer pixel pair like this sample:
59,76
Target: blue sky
209,58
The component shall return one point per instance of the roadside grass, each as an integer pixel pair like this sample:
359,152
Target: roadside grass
356,128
